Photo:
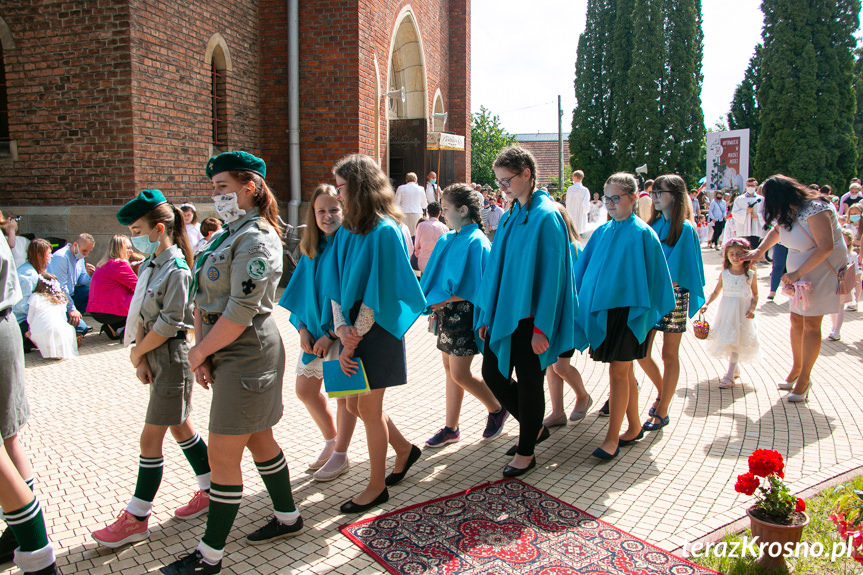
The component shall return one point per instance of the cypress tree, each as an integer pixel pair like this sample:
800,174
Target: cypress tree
590,142
805,91
621,54
640,124
858,115
745,112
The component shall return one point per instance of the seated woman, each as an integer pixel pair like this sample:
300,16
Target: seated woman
112,287
49,330
38,256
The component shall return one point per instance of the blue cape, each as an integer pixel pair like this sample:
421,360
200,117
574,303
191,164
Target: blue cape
304,298
374,269
684,261
456,265
529,273
621,266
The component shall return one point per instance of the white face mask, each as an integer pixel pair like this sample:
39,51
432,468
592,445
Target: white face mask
750,190
227,207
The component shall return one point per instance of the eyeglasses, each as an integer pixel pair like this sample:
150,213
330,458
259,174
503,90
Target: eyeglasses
339,186
656,193
611,200
505,183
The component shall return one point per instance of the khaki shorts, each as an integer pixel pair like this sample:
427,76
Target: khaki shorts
247,374
171,390
14,409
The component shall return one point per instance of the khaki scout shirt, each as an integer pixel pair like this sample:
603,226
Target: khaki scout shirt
165,308
240,277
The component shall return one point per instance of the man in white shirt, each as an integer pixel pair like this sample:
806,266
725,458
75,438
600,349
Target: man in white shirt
412,201
432,188
645,203
491,214
748,214
578,201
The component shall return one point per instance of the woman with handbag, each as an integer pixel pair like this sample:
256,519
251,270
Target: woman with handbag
809,227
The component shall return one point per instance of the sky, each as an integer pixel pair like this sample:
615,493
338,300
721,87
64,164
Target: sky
523,55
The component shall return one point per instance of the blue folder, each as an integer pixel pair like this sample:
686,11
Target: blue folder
337,384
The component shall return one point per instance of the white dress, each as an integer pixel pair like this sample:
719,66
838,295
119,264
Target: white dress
49,329
731,331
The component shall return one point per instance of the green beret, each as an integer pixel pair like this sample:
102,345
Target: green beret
242,161
141,205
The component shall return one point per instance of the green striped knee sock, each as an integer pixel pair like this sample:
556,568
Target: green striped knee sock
195,451
277,480
224,504
149,478
34,551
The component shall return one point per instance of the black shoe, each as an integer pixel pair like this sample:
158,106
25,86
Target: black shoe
192,564
510,471
393,478
8,545
543,435
274,530
603,411
350,507
625,442
49,570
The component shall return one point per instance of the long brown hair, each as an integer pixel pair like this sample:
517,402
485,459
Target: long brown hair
517,160
783,196
369,194
36,254
681,209
463,195
741,243
263,197
175,227
312,234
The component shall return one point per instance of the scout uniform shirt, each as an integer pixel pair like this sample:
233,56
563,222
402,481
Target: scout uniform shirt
238,274
165,307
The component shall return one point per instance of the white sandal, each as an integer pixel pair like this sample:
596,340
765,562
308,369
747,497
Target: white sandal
726,383
786,385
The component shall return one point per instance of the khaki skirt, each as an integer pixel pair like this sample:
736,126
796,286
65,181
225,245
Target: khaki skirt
247,374
171,390
14,409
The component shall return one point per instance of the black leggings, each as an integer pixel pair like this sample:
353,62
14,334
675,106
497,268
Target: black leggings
718,228
524,398
115,321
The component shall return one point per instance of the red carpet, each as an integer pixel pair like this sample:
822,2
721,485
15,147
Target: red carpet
507,528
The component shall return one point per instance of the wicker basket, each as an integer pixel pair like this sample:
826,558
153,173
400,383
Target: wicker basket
700,326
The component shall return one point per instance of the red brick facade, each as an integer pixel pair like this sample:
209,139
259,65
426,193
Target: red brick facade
107,98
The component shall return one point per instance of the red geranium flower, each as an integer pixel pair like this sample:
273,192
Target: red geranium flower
765,462
801,505
746,484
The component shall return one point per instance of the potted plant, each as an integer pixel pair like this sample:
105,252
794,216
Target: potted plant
778,517
848,519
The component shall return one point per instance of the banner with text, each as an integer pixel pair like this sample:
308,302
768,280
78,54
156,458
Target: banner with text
727,160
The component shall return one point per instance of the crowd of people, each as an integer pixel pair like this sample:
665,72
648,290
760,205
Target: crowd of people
512,283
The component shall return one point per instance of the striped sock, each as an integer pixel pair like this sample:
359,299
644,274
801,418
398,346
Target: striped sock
277,480
28,526
149,478
195,451
224,505
29,483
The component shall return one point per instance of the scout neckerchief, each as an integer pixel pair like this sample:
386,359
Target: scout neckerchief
133,319
211,247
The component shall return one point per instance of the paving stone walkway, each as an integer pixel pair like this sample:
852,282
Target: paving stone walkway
675,486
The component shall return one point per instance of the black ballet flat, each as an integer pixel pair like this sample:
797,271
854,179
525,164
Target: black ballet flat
510,471
350,507
393,478
625,442
543,435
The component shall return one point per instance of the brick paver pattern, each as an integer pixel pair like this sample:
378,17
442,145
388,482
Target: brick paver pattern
675,486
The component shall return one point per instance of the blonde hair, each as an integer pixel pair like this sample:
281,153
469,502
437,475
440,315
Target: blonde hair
116,246
624,181
312,234
574,236
410,177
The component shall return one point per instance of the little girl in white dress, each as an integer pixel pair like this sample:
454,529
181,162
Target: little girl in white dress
734,333
46,316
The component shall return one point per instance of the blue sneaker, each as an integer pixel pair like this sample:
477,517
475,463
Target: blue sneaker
442,437
495,422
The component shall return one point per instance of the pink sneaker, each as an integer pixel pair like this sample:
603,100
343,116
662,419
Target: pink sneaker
199,505
126,529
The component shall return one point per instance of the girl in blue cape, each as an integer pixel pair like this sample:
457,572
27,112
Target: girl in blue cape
376,298
562,370
312,315
624,289
682,250
451,284
527,302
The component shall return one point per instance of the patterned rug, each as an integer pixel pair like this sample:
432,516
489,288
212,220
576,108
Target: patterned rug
507,528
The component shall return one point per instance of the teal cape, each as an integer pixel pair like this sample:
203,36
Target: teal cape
622,266
529,274
374,269
304,298
456,266
684,261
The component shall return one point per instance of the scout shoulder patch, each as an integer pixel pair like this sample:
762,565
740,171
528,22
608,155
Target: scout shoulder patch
213,274
181,263
260,249
258,268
